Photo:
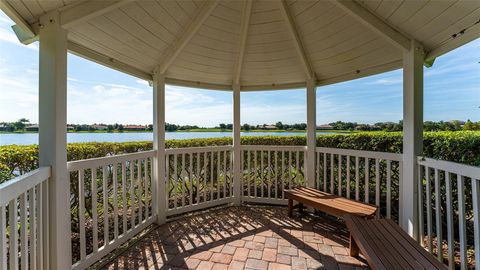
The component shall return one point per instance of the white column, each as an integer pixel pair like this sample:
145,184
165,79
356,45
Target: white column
311,132
160,202
412,136
237,181
53,137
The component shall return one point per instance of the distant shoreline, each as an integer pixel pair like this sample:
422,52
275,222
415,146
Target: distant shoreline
187,130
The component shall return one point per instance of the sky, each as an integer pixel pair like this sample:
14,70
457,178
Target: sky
96,94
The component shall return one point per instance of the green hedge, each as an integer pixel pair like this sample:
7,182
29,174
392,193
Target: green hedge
457,146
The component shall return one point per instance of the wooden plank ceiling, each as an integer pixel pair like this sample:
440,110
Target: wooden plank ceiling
265,43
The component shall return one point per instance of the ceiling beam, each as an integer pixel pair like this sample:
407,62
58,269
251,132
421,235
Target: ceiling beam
373,22
296,40
243,41
88,10
189,32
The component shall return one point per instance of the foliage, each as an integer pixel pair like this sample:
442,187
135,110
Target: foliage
460,146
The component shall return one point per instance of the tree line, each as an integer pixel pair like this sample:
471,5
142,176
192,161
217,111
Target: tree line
24,124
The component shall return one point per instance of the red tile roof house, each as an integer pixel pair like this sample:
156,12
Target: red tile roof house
234,46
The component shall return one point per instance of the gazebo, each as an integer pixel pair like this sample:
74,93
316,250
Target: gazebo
235,46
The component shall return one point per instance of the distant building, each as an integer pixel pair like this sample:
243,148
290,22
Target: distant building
325,127
70,128
32,128
99,127
134,127
270,127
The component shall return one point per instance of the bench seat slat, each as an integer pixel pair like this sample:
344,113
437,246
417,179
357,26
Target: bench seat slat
329,203
386,246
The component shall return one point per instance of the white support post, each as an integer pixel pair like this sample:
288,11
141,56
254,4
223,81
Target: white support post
53,138
311,132
237,180
412,136
160,202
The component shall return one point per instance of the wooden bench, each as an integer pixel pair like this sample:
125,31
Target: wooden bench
328,203
386,246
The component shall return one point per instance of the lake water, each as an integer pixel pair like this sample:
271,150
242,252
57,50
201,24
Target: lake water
32,138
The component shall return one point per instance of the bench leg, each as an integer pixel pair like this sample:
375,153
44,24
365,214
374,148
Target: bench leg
300,208
290,208
353,247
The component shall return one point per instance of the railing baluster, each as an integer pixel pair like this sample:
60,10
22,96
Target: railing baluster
204,176
461,221
105,207
190,158
211,176
140,190
451,243
218,174
182,176
94,209
289,169
438,215
420,206
269,179
429,208
115,200
276,174
145,190
32,208
262,172
331,174
357,179
476,218
3,237
41,229
389,189
225,170
198,178
175,181
249,175
124,198
81,213
132,193
23,231
13,239
367,180
339,171
325,172
297,166
348,177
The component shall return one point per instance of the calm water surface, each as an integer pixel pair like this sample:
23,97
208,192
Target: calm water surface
32,138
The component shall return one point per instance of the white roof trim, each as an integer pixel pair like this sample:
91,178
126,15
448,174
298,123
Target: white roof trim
373,22
22,28
470,34
297,41
190,31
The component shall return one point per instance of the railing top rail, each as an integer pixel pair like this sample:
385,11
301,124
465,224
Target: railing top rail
274,147
11,189
450,166
202,149
361,153
103,161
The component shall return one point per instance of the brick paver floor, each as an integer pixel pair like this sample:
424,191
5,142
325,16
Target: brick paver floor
245,237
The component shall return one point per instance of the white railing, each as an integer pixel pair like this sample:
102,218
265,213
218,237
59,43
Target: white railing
198,177
111,201
372,177
449,198
268,170
23,221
